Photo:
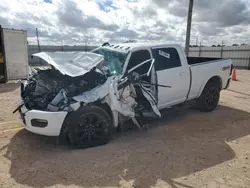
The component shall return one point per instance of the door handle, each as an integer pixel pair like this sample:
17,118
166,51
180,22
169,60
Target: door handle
181,73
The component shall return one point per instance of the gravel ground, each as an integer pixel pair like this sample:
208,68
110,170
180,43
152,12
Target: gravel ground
185,149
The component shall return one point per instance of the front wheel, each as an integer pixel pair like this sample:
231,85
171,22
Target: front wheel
209,98
88,127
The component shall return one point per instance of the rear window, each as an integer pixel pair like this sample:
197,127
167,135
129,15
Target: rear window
166,58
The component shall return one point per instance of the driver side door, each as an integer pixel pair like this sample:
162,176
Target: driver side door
146,89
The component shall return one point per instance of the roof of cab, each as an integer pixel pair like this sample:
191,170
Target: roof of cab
126,47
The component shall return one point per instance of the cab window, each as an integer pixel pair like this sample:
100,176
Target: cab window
138,57
166,58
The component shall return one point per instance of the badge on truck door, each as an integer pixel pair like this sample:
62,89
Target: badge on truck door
164,54
226,68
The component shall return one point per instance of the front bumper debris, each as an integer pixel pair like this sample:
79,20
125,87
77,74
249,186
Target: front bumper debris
42,122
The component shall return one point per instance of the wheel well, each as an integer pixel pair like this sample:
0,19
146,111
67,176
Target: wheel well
216,80
105,107
63,132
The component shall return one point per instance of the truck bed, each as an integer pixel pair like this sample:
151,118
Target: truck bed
201,74
197,60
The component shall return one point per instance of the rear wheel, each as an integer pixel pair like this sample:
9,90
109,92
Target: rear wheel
209,98
89,127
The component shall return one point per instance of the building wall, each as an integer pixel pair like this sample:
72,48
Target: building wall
240,55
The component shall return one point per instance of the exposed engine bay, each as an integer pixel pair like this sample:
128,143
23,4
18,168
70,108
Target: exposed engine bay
44,86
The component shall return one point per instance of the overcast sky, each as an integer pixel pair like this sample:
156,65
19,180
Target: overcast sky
73,22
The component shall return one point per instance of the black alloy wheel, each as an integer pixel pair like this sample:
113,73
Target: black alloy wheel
212,97
209,98
89,126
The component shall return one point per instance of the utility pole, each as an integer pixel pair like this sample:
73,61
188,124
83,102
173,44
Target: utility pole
62,45
85,45
221,52
37,38
200,49
39,49
189,23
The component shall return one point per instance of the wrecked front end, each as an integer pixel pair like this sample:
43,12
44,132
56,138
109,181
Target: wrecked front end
49,90
50,96
47,95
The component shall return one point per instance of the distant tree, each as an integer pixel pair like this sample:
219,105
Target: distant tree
193,46
218,45
213,45
243,44
235,45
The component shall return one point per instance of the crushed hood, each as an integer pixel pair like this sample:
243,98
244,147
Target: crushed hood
71,63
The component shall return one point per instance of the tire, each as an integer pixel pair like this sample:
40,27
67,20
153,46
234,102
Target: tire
88,127
209,98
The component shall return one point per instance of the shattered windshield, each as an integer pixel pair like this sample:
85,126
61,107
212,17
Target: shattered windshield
114,60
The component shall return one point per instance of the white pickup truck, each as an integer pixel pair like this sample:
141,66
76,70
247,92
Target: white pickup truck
83,96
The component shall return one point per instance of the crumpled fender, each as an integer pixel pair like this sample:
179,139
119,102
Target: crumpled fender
118,101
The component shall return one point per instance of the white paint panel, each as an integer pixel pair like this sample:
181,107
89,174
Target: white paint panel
16,54
202,73
55,121
178,78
